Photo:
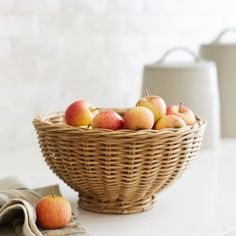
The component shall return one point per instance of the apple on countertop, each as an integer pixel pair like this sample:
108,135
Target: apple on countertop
53,212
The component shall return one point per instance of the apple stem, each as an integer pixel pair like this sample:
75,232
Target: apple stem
94,109
146,93
180,106
88,125
52,193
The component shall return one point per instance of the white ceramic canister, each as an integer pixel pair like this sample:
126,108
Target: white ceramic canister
224,55
194,83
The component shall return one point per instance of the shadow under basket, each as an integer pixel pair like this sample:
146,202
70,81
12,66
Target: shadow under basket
121,171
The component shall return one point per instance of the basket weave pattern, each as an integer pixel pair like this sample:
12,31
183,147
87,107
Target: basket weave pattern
116,171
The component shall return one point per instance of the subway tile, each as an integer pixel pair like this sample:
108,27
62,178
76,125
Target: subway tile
98,24
38,47
162,7
117,43
84,44
124,6
47,6
15,25
5,48
6,6
17,71
57,24
84,6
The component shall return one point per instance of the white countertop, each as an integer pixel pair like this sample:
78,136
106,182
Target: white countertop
201,203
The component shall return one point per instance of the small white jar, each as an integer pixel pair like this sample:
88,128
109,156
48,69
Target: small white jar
224,55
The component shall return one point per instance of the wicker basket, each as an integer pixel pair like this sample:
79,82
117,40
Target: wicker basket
117,171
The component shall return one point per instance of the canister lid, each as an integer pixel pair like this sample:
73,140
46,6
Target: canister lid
217,43
200,64
196,63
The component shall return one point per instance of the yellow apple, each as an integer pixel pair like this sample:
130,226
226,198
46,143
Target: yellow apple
138,118
170,121
155,103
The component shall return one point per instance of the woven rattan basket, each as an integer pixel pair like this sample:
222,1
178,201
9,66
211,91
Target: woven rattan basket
117,171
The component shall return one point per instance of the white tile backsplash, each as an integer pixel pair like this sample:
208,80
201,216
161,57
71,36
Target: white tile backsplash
53,52
84,6
15,25
44,6
163,7
125,7
6,6
5,48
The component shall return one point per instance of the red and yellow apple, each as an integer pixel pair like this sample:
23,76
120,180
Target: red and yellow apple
138,118
108,119
155,103
170,121
53,212
80,113
183,112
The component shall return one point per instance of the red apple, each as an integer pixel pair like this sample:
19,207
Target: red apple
138,118
53,212
170,121
108,119
155,103
80,113
183,112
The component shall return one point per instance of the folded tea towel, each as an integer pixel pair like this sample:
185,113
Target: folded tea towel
17,207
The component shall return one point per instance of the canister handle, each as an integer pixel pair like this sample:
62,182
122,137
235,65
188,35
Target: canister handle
218,38
167,53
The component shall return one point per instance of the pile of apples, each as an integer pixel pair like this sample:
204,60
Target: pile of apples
150,112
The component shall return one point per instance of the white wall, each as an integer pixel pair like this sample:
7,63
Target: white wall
53,52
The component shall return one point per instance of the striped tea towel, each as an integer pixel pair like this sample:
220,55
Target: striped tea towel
17,207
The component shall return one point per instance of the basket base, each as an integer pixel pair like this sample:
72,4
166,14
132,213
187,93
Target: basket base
118,207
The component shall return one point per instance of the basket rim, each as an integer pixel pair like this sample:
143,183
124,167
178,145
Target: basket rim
200,123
